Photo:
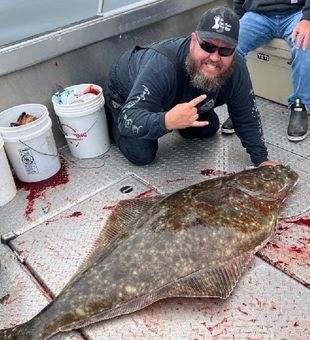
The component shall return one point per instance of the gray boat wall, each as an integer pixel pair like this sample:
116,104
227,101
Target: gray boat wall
33,70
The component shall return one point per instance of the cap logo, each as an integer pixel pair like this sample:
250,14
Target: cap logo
220,25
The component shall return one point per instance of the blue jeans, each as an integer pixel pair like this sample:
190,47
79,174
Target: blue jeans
257,29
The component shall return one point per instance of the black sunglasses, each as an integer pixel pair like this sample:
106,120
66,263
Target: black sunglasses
211,48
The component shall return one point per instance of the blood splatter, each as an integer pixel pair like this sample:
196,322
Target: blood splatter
175,180
213,172
109,207
304,240
274,245
296,249
211,329
75,214
4,299
242,311
144,194
7,300
37,189
300,221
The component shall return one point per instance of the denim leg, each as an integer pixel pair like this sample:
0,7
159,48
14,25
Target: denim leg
255,31
203,132
300,62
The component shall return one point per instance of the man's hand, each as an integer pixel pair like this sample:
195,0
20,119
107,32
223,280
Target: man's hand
185,115
302,34
272,163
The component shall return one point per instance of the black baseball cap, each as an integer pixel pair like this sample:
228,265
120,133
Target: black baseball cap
219,23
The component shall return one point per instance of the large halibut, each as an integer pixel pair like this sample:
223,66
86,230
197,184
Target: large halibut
193,243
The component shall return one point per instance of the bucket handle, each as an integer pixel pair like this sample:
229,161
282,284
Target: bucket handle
83,133
39,152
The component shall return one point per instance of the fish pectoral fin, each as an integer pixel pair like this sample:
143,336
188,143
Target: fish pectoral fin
218,282
119,224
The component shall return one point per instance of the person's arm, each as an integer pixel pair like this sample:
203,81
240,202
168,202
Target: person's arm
143,114
238,7
245,115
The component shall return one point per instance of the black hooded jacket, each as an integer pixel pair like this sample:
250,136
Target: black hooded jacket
147,85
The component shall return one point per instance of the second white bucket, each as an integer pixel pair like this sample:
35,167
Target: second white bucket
7,184
31,148
84,125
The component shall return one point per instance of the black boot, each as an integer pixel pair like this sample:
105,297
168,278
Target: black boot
227,126
298,125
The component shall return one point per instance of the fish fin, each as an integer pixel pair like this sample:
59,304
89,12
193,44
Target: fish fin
19,332
118,225
218,282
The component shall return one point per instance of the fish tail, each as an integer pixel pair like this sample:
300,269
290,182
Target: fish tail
20,332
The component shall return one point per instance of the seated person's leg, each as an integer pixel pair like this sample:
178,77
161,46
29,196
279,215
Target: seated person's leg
300,65
299,100
298,123
255,31
203,132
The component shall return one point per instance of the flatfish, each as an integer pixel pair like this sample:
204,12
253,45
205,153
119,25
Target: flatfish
195,242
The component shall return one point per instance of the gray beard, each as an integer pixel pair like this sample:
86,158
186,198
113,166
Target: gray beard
199,81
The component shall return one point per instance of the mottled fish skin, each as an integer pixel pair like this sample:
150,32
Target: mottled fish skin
195,242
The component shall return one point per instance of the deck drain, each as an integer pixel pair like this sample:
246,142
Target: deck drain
126,189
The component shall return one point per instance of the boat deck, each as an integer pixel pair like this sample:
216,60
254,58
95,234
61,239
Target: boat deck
54,224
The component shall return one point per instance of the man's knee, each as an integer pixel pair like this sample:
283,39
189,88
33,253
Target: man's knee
139,159
138,152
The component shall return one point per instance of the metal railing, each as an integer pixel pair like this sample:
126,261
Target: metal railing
100,7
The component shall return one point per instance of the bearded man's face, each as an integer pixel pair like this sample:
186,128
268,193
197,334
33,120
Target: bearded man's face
208,71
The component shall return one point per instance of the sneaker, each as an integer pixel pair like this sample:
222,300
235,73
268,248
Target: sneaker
298,125
228,127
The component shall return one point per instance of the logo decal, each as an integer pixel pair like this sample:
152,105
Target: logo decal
28,161
220,25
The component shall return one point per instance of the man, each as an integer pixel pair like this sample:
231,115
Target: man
262,21
175,84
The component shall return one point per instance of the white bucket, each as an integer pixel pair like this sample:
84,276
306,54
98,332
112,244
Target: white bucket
7,184
30,148
84,125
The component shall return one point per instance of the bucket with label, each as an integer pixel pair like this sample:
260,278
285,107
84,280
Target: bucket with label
7,184
30,146
82,119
